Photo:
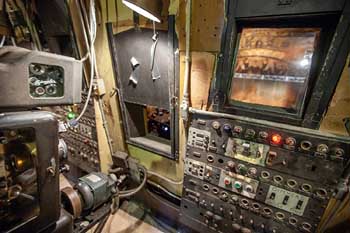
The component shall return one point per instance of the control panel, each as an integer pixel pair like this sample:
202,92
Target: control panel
245,175
81,140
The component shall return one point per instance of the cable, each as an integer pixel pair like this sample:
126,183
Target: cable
2,41
164,190
175,182
92,36
102,223
128,193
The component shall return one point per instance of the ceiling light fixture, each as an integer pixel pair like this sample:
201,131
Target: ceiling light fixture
150,9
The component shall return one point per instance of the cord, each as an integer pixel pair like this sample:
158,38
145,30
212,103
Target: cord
128,193
102,223
2,41
177,182
164,190
92,35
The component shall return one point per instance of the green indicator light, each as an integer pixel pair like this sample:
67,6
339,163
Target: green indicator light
238,185
70,115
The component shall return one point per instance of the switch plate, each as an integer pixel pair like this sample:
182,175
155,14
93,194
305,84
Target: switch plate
289,201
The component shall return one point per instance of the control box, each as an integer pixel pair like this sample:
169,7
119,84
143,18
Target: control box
81,140
247,175
34,78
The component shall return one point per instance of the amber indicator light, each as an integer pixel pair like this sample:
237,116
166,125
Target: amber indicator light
276,139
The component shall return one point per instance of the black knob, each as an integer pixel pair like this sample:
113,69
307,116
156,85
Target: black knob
227,128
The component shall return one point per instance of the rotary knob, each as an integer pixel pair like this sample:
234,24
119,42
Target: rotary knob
231,165
227,128
263,135
216,125
290,141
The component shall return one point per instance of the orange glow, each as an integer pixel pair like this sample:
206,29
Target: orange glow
276,139
19,163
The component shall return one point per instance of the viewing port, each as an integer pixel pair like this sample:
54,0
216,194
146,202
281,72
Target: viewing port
293,221
267,211
306,188
306,145
278,179
210,158
306,226
205,187
291,183
280,216
321,193
265,174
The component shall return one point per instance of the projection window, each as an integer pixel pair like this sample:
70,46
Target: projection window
272,66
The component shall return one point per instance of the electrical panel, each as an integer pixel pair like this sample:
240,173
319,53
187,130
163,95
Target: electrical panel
244,175
81,140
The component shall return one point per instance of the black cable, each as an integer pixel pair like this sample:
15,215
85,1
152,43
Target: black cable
128,193
102,223
163,189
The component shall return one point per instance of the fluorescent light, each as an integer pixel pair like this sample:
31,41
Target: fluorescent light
141,11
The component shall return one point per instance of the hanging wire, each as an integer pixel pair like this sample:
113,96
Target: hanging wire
92,29
154,66
2,41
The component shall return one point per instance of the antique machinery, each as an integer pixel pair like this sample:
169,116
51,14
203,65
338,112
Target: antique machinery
29,173
266,168
81,139
33,78
246,175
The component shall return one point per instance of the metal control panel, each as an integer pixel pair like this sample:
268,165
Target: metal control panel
244,175
81,140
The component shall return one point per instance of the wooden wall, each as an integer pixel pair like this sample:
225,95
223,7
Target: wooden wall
207,24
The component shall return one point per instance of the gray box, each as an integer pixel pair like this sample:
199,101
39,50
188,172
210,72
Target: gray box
34,78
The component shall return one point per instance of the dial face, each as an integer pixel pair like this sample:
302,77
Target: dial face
45,81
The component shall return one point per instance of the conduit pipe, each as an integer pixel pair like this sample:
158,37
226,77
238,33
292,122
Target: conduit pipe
185,98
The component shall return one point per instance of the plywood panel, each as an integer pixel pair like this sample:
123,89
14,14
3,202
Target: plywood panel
339,107
110,99
202,70
206,27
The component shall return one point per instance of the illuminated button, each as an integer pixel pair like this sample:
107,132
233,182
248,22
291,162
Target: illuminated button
237,129
216,125
238,185
227,128
322,148
252,171
290,141
276,139
242,169
231,164
227,181
263,134
70,115
339,152
250,133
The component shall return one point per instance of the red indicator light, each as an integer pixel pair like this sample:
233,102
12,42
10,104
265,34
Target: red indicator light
227,181
276,139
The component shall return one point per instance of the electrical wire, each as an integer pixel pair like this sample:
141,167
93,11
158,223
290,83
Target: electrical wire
128,193
92,36
2,41
13,41
164,190
175,182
